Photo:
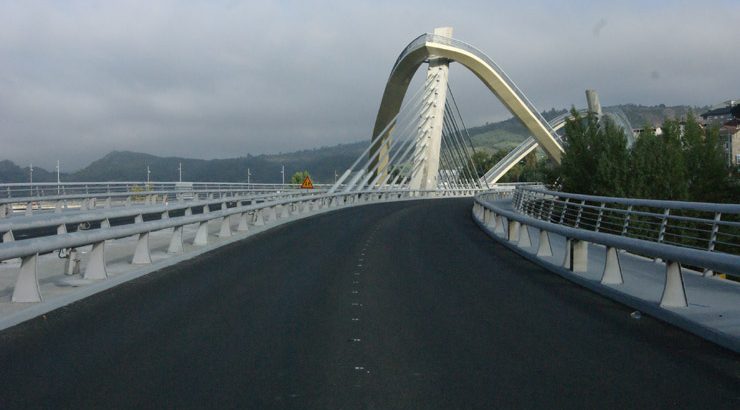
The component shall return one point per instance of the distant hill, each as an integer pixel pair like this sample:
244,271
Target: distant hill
320,162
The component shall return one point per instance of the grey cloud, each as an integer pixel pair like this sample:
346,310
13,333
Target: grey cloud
222,79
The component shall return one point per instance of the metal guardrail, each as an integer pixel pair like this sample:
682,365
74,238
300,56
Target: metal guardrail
48,222
83,201
697,225
45,189
27,287
582,220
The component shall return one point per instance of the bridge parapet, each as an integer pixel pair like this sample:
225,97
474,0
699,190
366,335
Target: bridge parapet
630,250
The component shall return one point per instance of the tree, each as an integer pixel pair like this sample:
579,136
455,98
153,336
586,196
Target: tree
298,177
595,161
656,166
706,168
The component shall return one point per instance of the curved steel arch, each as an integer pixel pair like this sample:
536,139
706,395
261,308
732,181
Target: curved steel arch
434,46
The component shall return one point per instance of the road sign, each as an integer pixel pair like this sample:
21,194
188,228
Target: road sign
307,184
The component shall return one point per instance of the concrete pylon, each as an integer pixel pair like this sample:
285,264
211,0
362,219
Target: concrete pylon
592,100
429,146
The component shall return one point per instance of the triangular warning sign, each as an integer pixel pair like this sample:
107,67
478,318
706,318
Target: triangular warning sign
307,184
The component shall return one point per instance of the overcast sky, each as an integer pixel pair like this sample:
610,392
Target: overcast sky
218,79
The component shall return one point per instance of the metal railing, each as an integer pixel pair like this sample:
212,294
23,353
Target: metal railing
27,287
84,197
697,225
45,189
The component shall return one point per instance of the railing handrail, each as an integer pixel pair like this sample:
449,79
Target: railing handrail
51,220
719,261
653,203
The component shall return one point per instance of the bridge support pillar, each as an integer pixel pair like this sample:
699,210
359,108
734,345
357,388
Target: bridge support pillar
141,254
27,284
176,241
201,235
431,123
612,268
95,268
544,248
674,292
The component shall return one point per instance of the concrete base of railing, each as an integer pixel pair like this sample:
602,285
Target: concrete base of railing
661,297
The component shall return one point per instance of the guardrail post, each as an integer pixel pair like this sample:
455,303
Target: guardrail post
175,246
626,225
201,235
258,219
206,208
565,209
105,223
29,208
580,213
663,224
598,219
141,254
165,215
674,292
8,236
612,274
61,229
713,239
568,256
95,268
188,211
107,203
243,222
499,228
513,231
3,210
58,207
285,211
139,219
580,256
27,284
544,248
524,240
225,231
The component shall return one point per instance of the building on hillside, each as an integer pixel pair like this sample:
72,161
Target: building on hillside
729,134
720,114
726,116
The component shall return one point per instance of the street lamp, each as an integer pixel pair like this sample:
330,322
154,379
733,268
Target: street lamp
282,172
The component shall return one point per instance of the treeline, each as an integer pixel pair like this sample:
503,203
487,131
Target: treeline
683,164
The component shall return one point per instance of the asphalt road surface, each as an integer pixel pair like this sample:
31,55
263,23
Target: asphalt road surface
394,306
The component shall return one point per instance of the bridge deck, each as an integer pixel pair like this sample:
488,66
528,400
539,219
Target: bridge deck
446,318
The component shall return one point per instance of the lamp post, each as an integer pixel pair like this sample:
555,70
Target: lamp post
282,172
58,180
179,169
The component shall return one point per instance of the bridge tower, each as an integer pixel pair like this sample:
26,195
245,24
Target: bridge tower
431,122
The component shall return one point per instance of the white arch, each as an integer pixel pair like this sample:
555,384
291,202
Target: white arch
435,46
